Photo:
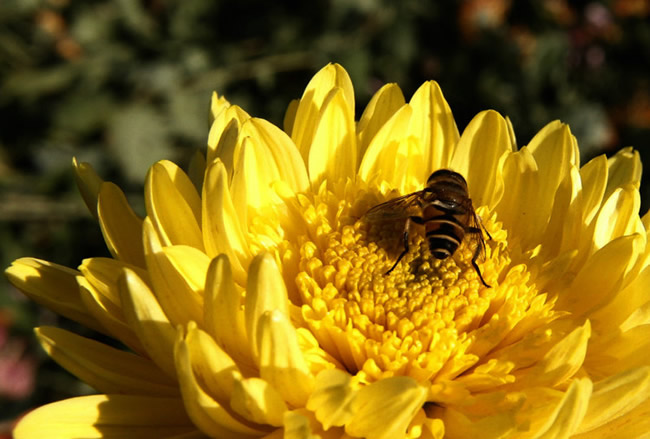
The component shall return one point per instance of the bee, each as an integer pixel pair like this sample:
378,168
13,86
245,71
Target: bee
446,212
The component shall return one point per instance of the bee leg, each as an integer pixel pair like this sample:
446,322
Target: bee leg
475,265
407,226
479,230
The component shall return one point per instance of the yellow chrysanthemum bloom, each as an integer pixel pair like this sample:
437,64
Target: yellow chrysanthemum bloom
254,301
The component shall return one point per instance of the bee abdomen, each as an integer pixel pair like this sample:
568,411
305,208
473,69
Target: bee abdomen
443,246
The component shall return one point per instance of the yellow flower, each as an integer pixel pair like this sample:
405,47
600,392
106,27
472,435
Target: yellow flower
253,298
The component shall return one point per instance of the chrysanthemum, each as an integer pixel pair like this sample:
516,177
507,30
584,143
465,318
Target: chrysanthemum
253,300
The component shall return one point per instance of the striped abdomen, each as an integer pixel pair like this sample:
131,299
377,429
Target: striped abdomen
444,228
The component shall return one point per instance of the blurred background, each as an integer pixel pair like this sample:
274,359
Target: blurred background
124,83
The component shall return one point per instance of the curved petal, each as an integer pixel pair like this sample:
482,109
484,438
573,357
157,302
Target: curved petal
331,400
104,368
280,150
265,291
565,420
381,161
173,205
210,416
601,276
108,315
385,102
395,400
618,216
211,364
224,134
88,183
616,396
224,314
517,207
594,181
479,157
121,227
53,286
255,399
290,116
559,364
281,362
309,109
144,314
196,170
434,125
333,152
222,230
178,276
106,417
623,168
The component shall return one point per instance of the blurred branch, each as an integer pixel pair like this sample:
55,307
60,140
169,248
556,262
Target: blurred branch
23,207
251,69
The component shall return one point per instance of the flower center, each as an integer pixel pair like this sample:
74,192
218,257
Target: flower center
420,320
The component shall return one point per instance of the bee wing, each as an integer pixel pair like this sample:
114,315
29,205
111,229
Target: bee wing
395,209
476,230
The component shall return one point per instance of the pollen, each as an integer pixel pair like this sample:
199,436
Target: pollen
430,319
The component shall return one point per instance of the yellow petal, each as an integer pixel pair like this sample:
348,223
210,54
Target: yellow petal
99,292
601,276
196,169
433,123
173,205
53,286
108,314
624,168
210,416
555,151
89,184
121,227
211,364
332,398
144,314
458,425
333,152
280,358
251,183
620,312
381,162
217,105
620,352
479,154
616,396
385,408
222,231
106,417
223,135
297,425
517,208
308,113
104,368
256,400
560,363
224,313
265,291
594,182
385,102
566,219
178,277
569,413
290,116
618,216
280,150
634,424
